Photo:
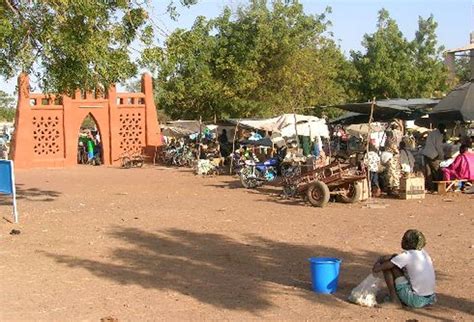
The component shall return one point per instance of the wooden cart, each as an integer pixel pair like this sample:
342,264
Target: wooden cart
337,179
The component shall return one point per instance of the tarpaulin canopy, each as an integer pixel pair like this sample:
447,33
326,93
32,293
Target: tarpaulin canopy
363,129
350,118
458,105
385,110
182,128
190,125
285,124
175,131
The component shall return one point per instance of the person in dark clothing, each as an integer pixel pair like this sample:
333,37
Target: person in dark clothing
224,143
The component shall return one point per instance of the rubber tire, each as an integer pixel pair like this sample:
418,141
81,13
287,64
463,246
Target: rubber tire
354,196
139,163
323,192
248,184
126,163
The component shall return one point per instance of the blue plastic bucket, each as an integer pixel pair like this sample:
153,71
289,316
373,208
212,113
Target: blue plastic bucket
324,274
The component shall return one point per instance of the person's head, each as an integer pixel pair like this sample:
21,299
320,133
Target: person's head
463,148
442,128
413,240
224,132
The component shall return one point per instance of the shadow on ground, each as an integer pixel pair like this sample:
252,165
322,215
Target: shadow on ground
228,273
31,194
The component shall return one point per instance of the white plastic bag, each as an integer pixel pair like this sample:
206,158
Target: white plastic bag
364,294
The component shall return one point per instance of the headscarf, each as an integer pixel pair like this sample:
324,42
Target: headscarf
413,239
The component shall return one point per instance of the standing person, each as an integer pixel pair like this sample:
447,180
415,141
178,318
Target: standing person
407,161
372,160
410,275
393,171
433,154
90,145
394,135
224,143
3,149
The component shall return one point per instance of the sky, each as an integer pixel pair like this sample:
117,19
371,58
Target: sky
351,19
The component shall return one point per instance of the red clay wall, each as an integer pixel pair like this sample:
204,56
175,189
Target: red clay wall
47,129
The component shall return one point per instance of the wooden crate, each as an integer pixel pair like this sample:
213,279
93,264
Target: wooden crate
412,188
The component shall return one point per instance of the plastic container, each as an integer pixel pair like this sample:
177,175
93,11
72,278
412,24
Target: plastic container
324,274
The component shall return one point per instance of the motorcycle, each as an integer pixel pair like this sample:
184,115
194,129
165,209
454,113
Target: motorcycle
254,174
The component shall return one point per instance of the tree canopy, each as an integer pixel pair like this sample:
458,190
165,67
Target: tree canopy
393,67
70,44
262,60
265,58
7,104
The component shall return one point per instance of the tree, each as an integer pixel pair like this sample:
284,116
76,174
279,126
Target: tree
393,67
386,64
261,60
462,69
70,44
430,73
7,107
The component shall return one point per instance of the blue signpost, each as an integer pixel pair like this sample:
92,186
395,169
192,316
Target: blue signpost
7,183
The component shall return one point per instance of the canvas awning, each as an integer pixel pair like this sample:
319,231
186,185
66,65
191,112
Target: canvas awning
175,131
386,110
350,118
191,125
285,124
458,105
363,129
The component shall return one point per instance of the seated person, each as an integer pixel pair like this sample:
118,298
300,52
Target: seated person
462,167
409,276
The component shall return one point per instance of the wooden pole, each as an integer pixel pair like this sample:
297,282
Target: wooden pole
199,138
233,147
371,117
296,131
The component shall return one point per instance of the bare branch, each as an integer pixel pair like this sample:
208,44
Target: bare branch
12,7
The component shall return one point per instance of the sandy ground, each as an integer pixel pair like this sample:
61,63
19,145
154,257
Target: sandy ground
158,243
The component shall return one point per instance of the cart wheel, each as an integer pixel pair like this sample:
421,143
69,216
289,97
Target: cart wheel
318,194
126,162
246,180
353,192
139,162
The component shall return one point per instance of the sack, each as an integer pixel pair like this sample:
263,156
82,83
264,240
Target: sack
365,293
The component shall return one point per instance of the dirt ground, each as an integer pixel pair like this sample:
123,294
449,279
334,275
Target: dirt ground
158,243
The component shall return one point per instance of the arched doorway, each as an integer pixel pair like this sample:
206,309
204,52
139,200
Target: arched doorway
89,144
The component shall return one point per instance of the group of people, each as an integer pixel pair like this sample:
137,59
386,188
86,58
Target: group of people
459,166
388,163
89,147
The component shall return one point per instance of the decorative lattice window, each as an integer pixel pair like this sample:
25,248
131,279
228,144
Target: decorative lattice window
131,132
46,135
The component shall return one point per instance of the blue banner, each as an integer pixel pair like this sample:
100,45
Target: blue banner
6,177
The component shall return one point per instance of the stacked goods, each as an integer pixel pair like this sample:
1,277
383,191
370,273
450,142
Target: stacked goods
412,186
